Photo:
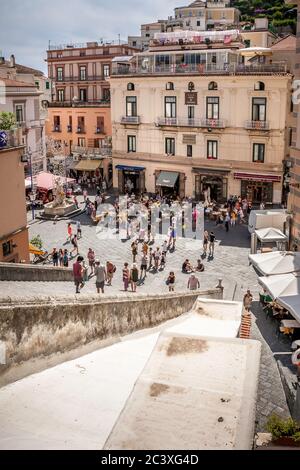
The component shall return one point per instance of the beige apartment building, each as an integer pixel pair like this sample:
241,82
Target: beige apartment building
188,116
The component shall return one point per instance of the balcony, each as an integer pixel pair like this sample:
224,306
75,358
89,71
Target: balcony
90,78
69,128
99,130
56,128
130,120
257,125
179,122
80,130
92,152
213,123
80,104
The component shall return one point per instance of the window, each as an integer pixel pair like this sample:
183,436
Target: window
170,106
213,86
189,150
131,143
82,94
290,136
191,112
19,111
37,84
259,109
60,95
247,42
59,74
131,106
212,107
130,87
56,123
81,142
212,149
100,125
170,86
170,146
82,73
198,23
7,248
106,71
47,86
259,153
259,86
80,124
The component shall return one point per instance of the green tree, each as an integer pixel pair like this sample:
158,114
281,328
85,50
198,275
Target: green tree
7,121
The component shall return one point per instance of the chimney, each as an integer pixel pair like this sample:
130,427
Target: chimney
12,61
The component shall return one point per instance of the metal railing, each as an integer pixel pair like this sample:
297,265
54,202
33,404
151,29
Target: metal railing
80,130
92,152
88,78
79,104
180,122
130,120
257,125
202,69
213,123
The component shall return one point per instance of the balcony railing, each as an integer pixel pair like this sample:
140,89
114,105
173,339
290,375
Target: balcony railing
92,152
80,130
130,120
57,129
80,104
213,123
99,130
179,122
203,69
257,125
77,78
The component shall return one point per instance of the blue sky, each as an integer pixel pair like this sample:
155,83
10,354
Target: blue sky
26,26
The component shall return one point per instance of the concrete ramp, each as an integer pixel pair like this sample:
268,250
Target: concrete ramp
194,393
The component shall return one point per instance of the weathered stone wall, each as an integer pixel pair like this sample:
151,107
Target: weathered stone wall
29,272
40,328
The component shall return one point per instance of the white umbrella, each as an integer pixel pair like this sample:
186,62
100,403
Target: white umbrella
281,285
292,304
270,234
276,262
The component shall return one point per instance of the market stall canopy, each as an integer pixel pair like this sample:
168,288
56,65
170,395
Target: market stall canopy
33,250
167,179
47,180
276,262
292,304
271,234
282,285
88,165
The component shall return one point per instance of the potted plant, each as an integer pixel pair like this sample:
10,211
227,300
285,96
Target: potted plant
7,127
285,432
208,43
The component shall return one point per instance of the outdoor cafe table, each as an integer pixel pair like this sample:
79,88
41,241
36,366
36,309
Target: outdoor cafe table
290,324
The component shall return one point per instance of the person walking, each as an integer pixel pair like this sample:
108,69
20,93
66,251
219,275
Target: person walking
205,242
150,259
61,257
74,242
144,264
247,301
227,222
110,270
79,231
212,239
78,274
55,257
134,277
193,283
69,233
156,258
126,277
101,276
85,194
66,259
145,249
171,281
91,259
134,251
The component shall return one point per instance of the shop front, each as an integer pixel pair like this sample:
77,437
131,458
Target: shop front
170,183
258,188
90,168
211,184
131,179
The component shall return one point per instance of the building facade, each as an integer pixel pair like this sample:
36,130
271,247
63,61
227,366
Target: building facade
14,247
79,118
187,119
24,99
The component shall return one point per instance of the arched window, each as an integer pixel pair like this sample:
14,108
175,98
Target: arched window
213,86
170,86
191,86
259,86
130,87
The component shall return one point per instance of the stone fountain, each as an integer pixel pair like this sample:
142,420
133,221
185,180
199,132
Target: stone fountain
61,206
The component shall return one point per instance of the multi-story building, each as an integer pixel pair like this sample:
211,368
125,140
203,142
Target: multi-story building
24,99
79,118
13,227
294,195
198,16
189,114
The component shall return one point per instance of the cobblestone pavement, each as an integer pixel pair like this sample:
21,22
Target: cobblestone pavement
229,264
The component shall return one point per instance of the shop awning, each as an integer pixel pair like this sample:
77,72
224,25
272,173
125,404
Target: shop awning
257,177
276,262
212,171
282,285
292,304
167,179
88,165
130,168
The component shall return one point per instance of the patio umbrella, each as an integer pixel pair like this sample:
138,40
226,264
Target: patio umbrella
270,234
292,304
282,285
276,262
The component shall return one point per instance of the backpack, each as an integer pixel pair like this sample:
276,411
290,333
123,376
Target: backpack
114,269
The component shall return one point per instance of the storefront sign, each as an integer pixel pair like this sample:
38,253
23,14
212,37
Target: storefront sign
189,139
262,178
191,98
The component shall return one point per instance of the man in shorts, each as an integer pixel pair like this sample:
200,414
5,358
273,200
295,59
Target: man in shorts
101,276
78,274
